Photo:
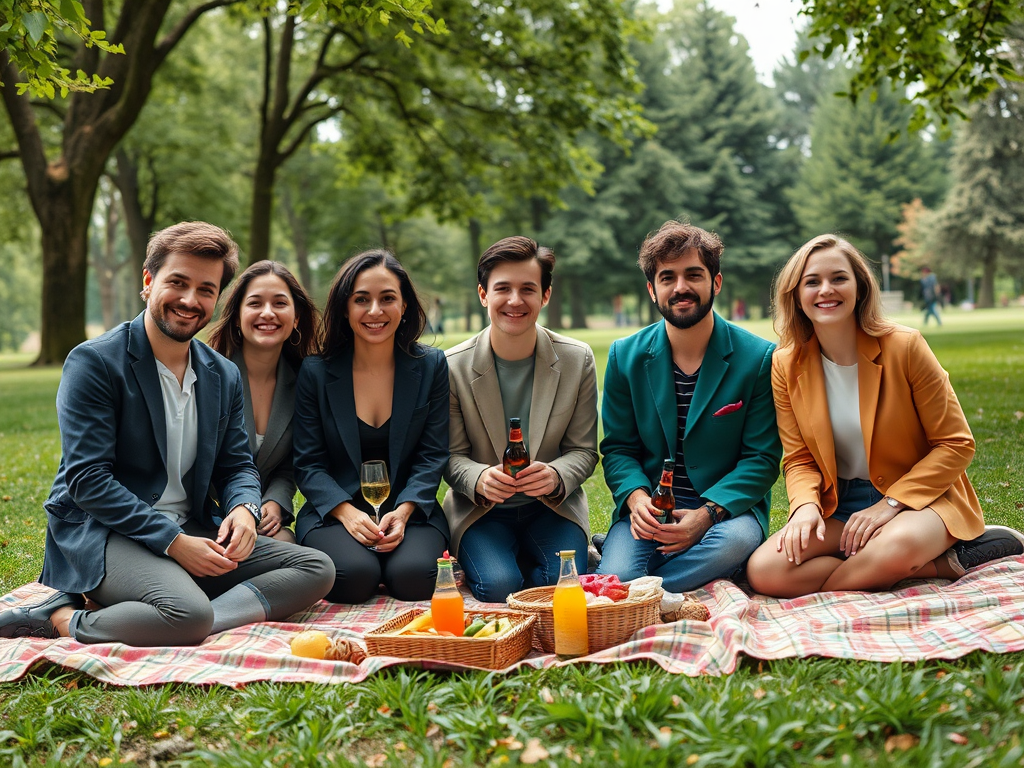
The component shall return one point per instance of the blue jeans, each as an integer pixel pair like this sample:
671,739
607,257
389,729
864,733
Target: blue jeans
492,548
854,495
724,549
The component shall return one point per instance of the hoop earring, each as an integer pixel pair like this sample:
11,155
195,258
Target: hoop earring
296,342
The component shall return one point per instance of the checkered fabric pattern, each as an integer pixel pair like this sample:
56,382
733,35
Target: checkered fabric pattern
923,620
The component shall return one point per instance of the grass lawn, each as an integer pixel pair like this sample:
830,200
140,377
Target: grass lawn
964,713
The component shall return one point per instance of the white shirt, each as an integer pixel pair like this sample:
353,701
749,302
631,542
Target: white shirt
843,394
182,422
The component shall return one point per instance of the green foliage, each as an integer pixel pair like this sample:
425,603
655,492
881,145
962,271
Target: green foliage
715,160
948,51
981,223
861,171
31,34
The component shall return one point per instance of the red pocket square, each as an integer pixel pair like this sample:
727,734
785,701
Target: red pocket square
725,410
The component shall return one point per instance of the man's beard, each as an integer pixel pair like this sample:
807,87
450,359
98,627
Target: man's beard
168,329
695,315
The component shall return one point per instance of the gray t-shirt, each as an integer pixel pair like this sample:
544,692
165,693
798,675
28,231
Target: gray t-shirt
515,380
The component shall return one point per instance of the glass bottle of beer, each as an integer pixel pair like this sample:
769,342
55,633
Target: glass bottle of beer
663,497
516,456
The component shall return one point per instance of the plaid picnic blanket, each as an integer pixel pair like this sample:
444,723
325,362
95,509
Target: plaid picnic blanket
924,620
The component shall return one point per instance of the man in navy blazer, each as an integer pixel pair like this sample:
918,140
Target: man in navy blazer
149,418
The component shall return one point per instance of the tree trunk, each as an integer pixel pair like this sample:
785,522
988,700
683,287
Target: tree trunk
138,223
65,229
262,207
106,267
555,303
577,302
987,293
475,249
300,239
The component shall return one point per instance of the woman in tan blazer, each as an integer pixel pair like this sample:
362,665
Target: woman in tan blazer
876,444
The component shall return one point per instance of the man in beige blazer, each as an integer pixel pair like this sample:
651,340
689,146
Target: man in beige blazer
500,525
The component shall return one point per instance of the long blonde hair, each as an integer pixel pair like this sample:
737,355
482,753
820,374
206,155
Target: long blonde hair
792,325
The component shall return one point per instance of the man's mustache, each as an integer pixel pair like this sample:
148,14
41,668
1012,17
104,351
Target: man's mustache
681,297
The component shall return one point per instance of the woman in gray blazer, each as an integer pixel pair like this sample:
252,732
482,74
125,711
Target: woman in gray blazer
373,393
269,324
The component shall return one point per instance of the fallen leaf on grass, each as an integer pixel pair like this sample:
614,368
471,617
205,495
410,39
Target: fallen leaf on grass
760,693
1018,415
376,761
105,761
533,753
677,701
901,742
509,742
7,498
692,759
433,730
546,697
383,709
958,738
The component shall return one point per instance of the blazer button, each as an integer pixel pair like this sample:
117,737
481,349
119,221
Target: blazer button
155,496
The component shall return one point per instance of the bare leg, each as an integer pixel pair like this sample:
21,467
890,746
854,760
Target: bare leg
284,534
906,546
60,619
911,544
770,573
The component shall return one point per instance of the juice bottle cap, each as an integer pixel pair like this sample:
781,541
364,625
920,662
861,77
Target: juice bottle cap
567,553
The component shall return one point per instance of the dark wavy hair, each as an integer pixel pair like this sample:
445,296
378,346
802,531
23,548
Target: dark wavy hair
226,336
338,333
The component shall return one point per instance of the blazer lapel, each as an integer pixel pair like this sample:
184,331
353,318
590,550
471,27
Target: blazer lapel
712,370
546,375
869,382
487,394
250,419
342,400
144,367
281,408
658,367
207,394
404,400
813,407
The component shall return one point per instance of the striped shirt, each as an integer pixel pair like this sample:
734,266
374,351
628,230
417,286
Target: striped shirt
685,495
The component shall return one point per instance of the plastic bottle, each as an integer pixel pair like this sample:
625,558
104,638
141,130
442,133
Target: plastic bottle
570,610
446,605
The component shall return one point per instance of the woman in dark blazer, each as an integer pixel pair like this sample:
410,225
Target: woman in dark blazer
267,327
373,393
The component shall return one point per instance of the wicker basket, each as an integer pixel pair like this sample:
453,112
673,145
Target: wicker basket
608,625
486,653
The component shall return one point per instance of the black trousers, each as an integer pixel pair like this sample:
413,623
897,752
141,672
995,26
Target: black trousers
408,571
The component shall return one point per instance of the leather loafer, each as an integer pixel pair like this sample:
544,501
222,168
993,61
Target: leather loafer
34,620
598,541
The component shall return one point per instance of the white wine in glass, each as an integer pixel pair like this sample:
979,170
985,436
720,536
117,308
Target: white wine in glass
376,487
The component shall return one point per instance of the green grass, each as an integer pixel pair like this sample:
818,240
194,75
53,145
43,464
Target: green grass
793,712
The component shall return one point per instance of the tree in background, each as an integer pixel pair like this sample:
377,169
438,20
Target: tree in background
862,171
945,53
981,223
714,160
62,174
497,102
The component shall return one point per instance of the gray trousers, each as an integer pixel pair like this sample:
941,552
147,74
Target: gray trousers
150,600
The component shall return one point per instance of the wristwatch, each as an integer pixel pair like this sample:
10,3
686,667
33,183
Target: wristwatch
255,510
891,502
716,512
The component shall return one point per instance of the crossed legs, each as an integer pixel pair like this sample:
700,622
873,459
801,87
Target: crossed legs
912,544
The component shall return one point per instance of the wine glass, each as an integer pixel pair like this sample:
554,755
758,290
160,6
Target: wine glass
375,485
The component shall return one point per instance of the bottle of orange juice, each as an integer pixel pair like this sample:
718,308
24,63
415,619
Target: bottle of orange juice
570,610
446,604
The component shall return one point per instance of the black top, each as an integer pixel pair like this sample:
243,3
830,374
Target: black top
374,441
682,488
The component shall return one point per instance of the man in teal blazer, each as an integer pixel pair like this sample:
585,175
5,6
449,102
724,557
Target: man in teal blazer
695,390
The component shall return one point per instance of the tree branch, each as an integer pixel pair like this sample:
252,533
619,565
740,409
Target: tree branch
26,132
9,154
50,106
173,37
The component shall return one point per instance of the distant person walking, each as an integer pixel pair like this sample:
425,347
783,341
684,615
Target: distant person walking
930,294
